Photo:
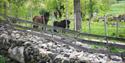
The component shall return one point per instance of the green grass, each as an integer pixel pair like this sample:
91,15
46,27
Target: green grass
98,28
112,49
118,8
2,59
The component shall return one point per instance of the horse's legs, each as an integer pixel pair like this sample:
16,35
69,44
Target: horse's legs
42,28
35,26
54,30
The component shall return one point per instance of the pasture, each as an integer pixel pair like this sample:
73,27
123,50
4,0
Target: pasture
98,28
30,28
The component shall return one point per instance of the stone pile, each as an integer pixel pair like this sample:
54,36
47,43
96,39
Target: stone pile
25,47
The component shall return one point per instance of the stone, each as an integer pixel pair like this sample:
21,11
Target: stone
29,48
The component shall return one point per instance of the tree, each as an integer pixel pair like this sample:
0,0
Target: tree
77,15
3,8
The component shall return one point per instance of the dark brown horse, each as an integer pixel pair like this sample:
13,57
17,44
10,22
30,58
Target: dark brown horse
62,24
41,19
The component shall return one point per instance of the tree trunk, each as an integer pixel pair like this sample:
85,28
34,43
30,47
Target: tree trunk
77,15
91,9
5,10
91,14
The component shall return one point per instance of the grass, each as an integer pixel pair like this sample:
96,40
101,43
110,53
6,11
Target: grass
118,8
98,28
2,59
112,49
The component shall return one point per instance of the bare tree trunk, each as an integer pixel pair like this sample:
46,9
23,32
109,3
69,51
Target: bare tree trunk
5,10
91,15
77,15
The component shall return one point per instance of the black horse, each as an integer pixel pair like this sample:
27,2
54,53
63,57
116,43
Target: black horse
62,24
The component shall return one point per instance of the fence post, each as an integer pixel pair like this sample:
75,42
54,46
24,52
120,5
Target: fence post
5,10
1,6
66,13
89,25
106,39
117,28
105,25
53,20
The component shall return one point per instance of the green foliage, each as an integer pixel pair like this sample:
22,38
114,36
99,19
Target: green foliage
51,4
117,8
17,2
116,50
42,11
2,59
33,7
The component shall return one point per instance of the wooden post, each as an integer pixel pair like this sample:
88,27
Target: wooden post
1,6
16,15
89,25
5,10
117,28
106,39
66,13
105,25
53,20
90,16
77,15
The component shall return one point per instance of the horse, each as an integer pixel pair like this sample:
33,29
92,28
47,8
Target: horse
62,24
43,19
122,17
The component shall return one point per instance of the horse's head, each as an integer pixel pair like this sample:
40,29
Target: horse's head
55,23
46,16
66,23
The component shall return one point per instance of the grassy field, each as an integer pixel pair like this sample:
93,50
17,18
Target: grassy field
118,8
98,27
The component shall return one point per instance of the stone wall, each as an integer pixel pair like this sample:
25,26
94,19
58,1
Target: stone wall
25,47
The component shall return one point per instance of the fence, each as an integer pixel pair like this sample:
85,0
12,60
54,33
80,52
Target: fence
79,36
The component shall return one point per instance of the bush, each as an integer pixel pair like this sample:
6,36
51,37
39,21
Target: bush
42,11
